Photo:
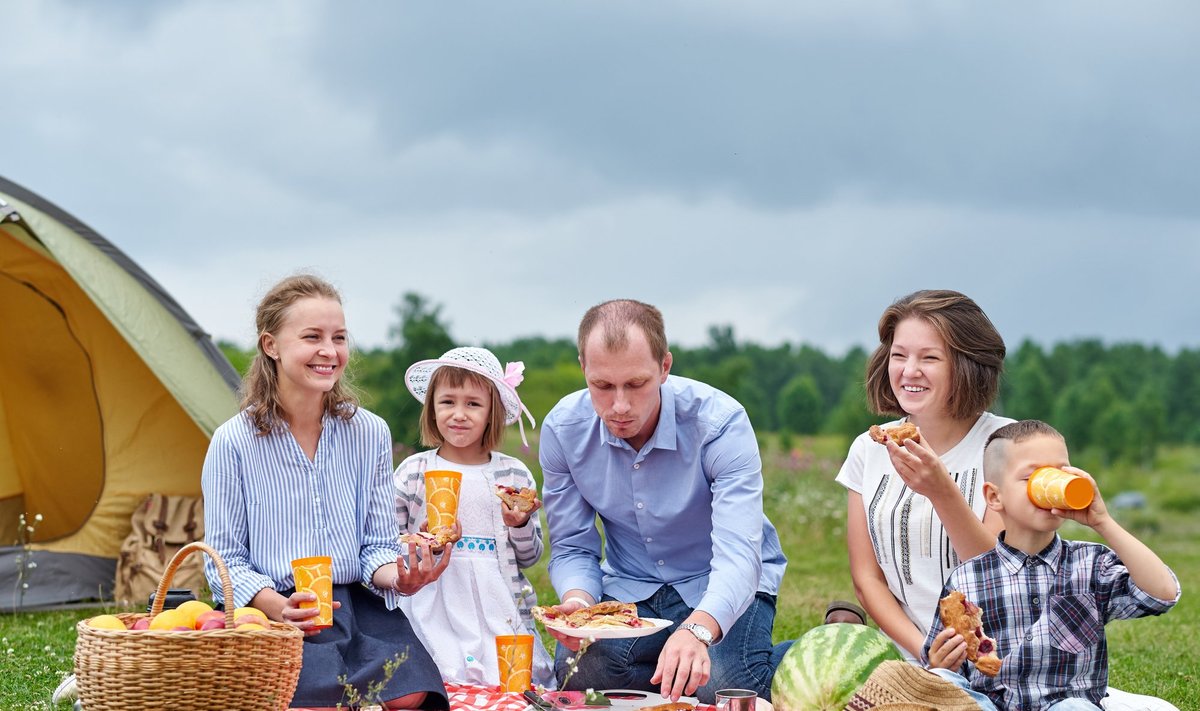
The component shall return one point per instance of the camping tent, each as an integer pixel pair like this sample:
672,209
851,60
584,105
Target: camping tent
108,391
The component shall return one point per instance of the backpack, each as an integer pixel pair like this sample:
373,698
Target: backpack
161,526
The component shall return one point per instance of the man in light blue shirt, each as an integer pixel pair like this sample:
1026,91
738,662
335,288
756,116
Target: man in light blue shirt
671,467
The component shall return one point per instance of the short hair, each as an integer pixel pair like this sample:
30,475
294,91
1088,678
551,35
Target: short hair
615,316
976,351
995,450
260,386
450,376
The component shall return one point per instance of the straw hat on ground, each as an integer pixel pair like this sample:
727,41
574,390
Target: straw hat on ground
900,686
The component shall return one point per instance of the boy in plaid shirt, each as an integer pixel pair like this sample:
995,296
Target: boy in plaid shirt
1045,600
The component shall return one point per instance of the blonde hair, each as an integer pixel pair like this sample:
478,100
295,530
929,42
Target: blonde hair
452,377
976,351
260,386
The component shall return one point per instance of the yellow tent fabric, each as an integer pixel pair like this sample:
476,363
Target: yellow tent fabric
109,391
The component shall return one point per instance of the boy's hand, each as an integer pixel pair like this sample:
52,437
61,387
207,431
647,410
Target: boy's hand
1094,515
516,519
948,650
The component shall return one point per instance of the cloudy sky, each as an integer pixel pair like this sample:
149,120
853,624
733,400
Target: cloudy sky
788,168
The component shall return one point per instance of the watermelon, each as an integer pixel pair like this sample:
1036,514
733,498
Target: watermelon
827,665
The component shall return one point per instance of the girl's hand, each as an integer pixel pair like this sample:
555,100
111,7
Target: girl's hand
516,519
920,467
1095,514
301,618
948,650
418,569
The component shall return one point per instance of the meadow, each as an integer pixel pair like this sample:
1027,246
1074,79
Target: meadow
1152,656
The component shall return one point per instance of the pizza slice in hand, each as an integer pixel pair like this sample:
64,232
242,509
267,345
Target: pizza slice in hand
966,618
522,500
897,433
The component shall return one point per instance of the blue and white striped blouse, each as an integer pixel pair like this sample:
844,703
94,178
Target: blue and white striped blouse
266,504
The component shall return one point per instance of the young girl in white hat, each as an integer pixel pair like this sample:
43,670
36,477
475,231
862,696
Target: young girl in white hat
467,401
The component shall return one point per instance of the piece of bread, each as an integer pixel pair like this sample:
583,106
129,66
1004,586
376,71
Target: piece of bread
521,500
677,706
897,433
965,617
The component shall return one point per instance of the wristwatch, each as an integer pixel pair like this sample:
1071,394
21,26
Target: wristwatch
700,631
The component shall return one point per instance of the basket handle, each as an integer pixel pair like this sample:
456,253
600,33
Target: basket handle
160,596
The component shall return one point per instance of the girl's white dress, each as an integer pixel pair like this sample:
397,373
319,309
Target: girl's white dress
482,593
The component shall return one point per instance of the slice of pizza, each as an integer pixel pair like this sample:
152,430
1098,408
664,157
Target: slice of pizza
677,706
897,433
438,538
966,618
601,615
517,499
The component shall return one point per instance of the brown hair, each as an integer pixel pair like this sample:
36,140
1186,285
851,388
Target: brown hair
616,316
1014,433
260,386
976,351
450,376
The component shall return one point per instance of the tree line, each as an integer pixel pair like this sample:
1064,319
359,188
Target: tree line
1120,400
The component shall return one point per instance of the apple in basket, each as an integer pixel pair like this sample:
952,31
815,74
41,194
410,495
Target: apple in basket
211,620
142,623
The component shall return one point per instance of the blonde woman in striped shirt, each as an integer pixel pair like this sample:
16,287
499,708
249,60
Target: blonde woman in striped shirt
302,471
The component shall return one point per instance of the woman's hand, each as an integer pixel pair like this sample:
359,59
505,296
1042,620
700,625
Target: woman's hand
418,569
948,650
516,519
920,468
299,617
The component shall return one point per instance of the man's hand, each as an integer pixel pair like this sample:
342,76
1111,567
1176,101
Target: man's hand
572,604
948,650
683,665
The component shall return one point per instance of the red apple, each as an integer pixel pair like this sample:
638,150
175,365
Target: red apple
143,623
213,624
211,616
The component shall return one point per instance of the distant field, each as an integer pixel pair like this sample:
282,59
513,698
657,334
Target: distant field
1152,656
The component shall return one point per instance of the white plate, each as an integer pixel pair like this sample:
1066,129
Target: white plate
614,632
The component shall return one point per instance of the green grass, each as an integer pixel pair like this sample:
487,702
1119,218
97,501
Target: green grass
1151,656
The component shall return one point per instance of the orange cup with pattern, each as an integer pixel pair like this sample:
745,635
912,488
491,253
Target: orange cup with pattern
1052,488
514,655
315,575
441,497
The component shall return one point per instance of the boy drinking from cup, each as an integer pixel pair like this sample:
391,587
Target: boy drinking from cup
1046,600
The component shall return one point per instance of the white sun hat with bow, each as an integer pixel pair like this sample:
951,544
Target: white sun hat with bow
482,362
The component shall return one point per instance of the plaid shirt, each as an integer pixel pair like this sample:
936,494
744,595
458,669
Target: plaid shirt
1047,614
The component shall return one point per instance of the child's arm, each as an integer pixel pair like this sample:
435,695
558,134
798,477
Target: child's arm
1145,568
524,528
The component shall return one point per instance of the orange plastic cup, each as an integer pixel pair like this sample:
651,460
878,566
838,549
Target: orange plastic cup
315,575
441,497
1051,488
514,655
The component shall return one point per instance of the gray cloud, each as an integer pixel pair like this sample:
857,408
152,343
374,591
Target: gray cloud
786,168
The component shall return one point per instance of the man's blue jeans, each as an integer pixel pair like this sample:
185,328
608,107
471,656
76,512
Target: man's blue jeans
743,659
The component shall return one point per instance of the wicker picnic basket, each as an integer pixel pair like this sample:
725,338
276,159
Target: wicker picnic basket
125,670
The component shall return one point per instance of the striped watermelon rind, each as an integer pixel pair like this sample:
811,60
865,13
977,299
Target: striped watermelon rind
824,668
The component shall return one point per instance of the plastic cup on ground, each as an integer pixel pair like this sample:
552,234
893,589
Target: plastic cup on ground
514,656
314,574
441,497
1051,488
